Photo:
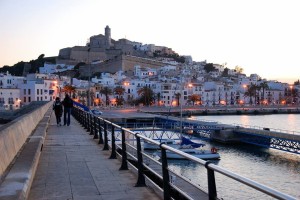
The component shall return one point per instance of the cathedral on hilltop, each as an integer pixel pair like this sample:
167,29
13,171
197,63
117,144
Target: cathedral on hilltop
103,47
109,55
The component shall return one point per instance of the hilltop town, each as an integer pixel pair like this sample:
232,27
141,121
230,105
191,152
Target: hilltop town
110,73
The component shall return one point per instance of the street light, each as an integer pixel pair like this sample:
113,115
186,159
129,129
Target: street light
291,87
89,79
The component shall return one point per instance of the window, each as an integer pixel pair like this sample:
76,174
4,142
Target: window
29,92
29,98
24,91
37,98
37,91
41,91
24,99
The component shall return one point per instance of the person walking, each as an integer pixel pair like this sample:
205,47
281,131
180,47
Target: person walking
68,105
58,110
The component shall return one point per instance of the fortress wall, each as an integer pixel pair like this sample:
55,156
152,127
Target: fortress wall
130,61
85,57
14,134
118,63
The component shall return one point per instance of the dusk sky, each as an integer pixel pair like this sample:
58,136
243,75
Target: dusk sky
261,36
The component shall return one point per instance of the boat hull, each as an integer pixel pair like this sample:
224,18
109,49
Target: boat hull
205,155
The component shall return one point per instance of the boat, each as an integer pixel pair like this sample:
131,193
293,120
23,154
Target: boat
192,148
151,146
199,153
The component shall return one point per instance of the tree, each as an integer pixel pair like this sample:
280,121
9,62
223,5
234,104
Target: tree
158,98
194,97
264,86
177,97
251,90
69,89
225,72
120,101
82,97
106,91
239,69
146,95
119,90
209,67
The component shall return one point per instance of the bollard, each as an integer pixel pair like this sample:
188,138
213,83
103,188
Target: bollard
105,137
141,178
165,171
124,165
113,144
212,191
100,132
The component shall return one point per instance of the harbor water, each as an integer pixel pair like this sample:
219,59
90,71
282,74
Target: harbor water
276,169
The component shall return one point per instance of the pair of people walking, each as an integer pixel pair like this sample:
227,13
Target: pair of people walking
63,107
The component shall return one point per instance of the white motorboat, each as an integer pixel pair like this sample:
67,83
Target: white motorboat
172,143
192,148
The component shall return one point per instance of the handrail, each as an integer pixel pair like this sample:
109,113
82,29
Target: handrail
263,128
211,168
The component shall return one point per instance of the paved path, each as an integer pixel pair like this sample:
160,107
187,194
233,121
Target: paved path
73,166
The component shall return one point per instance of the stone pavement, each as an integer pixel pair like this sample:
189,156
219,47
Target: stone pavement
73,166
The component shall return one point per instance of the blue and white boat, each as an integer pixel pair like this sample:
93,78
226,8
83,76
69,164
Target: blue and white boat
192,148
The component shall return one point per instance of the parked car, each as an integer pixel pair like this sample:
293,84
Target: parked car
96,112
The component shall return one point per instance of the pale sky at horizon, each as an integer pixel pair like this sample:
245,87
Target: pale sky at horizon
261,36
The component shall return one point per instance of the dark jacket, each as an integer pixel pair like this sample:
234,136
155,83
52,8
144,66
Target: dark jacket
68,102
58,109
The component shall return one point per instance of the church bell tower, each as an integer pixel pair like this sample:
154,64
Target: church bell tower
107,37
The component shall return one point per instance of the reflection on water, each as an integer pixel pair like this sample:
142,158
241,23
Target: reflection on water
290,122
276,169
279,170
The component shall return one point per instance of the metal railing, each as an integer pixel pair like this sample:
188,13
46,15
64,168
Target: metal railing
99,128
264,128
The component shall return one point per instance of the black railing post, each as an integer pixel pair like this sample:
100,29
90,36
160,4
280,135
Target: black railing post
165,171
105,137
124,165
95,128
141,178
100,132
91,124
81,118
212,190
85,120
113,143
88,123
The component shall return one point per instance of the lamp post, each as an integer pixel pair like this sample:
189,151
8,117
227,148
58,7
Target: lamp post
291,94
89,80
181,96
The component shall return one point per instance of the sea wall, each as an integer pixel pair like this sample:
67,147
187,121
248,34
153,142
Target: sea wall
14,135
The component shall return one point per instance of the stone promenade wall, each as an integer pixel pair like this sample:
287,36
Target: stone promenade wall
14,134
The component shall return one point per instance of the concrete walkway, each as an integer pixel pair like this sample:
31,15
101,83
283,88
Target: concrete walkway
73,166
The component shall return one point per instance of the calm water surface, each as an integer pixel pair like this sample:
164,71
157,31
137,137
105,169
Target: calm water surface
273,168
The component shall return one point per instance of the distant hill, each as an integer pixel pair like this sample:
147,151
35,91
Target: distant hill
22,68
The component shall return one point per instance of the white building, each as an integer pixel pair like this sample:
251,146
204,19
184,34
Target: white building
53,68
10,98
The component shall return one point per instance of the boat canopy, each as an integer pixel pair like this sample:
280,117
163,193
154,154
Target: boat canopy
187,142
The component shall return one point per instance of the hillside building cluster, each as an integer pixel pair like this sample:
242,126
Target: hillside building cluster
132,66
